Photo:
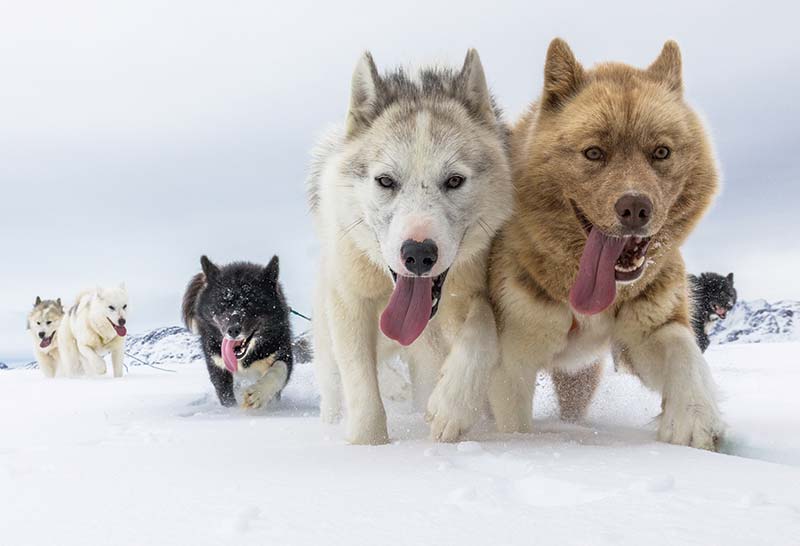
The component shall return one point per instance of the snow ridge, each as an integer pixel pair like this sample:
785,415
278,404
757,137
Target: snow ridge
758,321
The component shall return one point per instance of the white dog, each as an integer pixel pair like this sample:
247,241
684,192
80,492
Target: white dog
43,322
406,201
93,327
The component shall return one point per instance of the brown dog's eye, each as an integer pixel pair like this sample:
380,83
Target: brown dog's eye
454,181
594,154
661,153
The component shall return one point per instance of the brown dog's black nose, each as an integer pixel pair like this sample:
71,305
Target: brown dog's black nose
419,257
634,211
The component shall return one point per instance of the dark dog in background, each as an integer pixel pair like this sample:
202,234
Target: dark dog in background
242,317
713,295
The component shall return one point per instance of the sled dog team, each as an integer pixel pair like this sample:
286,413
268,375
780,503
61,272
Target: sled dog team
478,252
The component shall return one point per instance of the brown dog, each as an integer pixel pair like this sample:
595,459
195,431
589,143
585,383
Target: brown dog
612,169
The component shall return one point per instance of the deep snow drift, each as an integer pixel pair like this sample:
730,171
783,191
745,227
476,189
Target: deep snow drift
153,459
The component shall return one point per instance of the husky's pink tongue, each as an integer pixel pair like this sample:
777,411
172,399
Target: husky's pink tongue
121,330
228,355
409,309
595,287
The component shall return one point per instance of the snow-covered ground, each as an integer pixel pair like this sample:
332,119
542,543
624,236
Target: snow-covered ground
152,459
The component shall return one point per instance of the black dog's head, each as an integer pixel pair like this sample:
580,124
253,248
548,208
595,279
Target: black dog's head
243,303
716,294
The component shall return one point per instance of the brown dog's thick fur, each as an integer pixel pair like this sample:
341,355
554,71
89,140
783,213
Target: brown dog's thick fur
627,113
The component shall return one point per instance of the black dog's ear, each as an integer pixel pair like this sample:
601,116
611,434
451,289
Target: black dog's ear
272,270
210,270
38,301
730,278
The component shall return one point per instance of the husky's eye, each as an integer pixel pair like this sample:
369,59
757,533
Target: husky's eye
661,153
385,181
111,307
594,154
454,181
49,322
124,306
38,323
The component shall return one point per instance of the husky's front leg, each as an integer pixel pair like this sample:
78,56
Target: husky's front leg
116,359
460,394
47,364
326,370
669,361
354,332
93,364
265,389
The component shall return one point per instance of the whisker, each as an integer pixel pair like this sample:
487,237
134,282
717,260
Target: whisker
351,227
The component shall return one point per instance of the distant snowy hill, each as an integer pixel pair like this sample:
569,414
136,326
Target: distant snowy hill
164,346
759,321
756,321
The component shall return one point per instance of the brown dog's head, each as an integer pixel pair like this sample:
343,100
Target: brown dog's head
628,159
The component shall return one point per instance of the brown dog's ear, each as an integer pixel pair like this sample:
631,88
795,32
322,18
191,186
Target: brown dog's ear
668,67
563,75
209,269
364,92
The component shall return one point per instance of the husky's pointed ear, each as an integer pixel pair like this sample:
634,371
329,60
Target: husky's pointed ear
473,78
38,301
730,278
210,270
364,90
272,270
668,67
122,286
58,302
563,75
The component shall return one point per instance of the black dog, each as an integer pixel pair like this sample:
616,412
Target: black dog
242,317
712,297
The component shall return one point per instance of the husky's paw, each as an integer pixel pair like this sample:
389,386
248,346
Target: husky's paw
691,424
451,411
330,412
254,398
372,432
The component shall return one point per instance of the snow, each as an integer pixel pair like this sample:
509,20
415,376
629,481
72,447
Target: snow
153,459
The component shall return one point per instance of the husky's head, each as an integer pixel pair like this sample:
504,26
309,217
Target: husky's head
242,302
629,162
43,321
425,168
716,294
108,309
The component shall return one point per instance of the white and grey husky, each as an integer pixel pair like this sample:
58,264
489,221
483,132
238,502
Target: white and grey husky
406,200
43,322
94,327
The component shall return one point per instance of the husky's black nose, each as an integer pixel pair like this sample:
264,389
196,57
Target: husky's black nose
234,330
419,258
121,322
634,211
41,335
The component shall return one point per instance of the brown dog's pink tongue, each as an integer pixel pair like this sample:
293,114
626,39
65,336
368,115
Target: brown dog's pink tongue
409,309
228,355
595,287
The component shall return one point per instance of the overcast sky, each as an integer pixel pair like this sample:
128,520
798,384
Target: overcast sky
135,136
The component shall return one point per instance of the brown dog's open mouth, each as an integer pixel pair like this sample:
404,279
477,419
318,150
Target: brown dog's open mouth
633,258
